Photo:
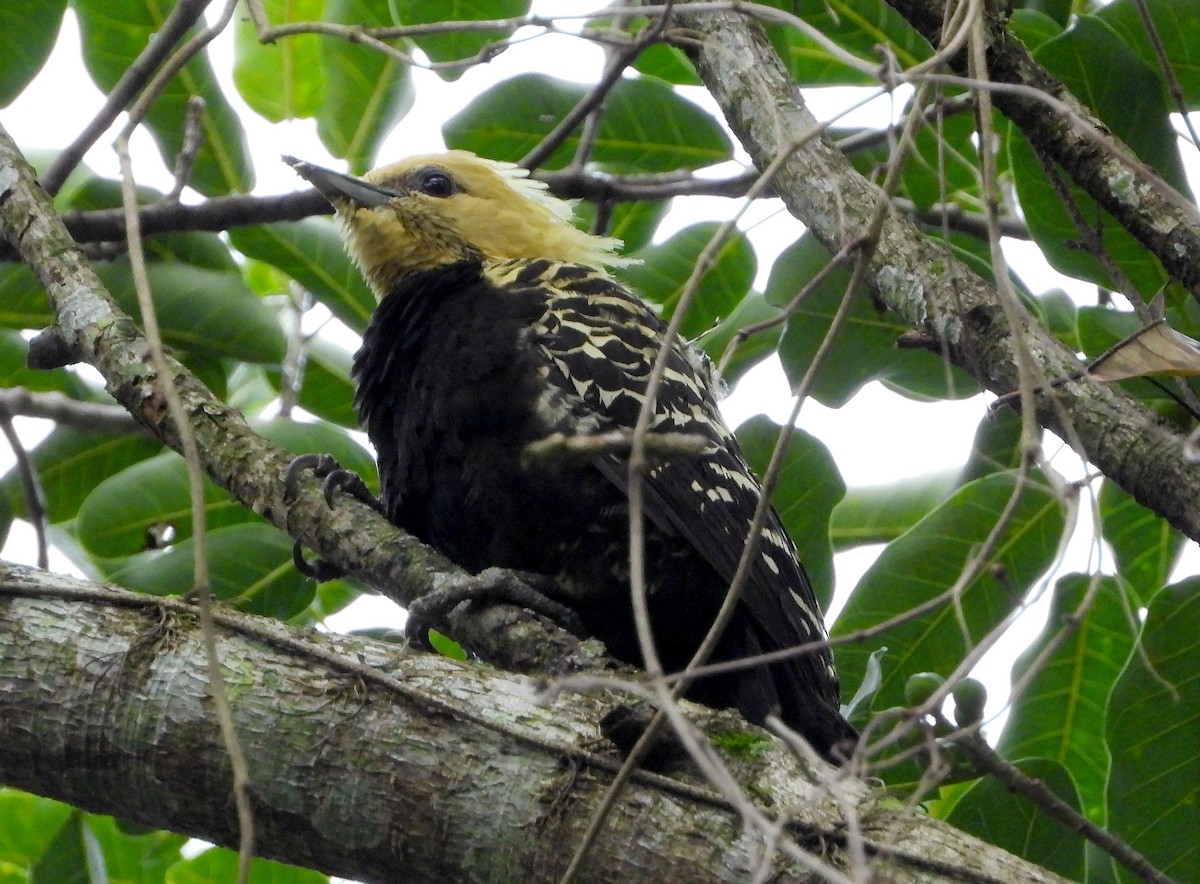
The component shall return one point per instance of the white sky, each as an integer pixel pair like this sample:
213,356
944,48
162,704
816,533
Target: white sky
878,437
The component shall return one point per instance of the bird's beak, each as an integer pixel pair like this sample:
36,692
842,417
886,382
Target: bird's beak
336,187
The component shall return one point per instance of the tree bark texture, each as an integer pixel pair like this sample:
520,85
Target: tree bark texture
381,764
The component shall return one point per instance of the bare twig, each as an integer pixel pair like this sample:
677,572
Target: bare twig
35,498
69,412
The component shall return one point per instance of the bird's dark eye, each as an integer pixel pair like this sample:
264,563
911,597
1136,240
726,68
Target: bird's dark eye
435,182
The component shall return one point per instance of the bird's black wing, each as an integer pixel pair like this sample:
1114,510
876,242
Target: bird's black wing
600,343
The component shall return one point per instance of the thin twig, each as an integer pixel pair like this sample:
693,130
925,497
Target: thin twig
64,410
35,497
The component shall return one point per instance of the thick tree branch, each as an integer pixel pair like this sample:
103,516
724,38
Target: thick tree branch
1068,132
351,535
923,283
367,758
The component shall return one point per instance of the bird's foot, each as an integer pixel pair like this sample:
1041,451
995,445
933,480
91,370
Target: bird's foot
521,588
334,479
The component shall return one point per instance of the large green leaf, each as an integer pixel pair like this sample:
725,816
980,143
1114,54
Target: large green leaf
327,390
28,824
881,513
117,516
1019,826
115,32
1153,732
27,32
928,560
250,567
865,350
123,512
202,311
366,91
646,127
70,463
455,45
1145,545
809,488
1059,711
857,26
311,253
663,273
281,80
1177,22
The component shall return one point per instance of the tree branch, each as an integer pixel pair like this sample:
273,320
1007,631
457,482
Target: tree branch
366,758
921,281
1065,130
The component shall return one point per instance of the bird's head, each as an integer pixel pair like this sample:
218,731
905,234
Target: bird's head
435,209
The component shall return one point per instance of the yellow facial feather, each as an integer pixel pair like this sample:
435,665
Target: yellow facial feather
480,208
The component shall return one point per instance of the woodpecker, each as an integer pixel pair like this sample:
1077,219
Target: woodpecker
498,326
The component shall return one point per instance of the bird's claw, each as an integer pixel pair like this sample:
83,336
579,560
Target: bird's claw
530,591
334,478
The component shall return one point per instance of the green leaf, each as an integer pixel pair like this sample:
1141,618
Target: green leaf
455,45
327,390
1034,27
250,567
809,488
280,80
997,815
133,855
752,310
115,32
866,348
881,513
1154,717
663,273
201,311
928,560
646,127
67,859
366,91
1177,23
23,302
1059,711
311,253
28,824
857,26
116,518
996,446
28,29
220,866
70,463
943,166
1145,545
120,516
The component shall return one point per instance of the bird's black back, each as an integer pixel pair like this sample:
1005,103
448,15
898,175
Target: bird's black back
463,366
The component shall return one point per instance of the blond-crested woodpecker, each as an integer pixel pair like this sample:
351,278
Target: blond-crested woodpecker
498,326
